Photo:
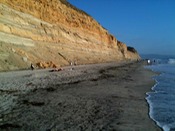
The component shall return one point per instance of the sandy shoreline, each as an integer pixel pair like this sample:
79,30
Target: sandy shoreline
107,96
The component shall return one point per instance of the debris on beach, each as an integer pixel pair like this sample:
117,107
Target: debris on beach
44,65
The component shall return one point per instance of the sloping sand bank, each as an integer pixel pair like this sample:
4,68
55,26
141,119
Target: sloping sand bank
107,96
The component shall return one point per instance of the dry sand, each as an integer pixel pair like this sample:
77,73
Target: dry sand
107,96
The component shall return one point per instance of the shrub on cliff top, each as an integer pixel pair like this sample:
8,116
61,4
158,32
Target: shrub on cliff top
131,49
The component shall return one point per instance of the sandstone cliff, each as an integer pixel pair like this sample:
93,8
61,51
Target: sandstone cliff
53,31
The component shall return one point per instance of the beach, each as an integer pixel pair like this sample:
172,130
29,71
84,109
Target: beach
108,96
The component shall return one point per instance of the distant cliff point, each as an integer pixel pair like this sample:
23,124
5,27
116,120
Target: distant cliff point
54,33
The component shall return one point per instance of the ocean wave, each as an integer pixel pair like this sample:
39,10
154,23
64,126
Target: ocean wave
161,98
171,61
166,128
169,127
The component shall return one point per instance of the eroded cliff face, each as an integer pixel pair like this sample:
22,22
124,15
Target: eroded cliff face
53,31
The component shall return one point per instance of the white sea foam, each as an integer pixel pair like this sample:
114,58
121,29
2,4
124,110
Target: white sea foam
160,110
166,128
171,61
151,112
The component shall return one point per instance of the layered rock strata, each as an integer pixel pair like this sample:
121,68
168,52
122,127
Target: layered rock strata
42,31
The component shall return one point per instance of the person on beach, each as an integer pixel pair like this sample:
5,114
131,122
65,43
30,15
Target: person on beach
75,62
32,66
71,64
149,61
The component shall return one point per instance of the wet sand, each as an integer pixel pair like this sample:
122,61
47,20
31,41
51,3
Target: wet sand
107,96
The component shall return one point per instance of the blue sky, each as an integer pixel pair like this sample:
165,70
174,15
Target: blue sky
147,25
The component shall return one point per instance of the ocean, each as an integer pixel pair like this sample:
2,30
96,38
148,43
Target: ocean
161,99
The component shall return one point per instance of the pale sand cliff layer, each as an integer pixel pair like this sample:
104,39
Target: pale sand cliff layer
93,97
54,33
